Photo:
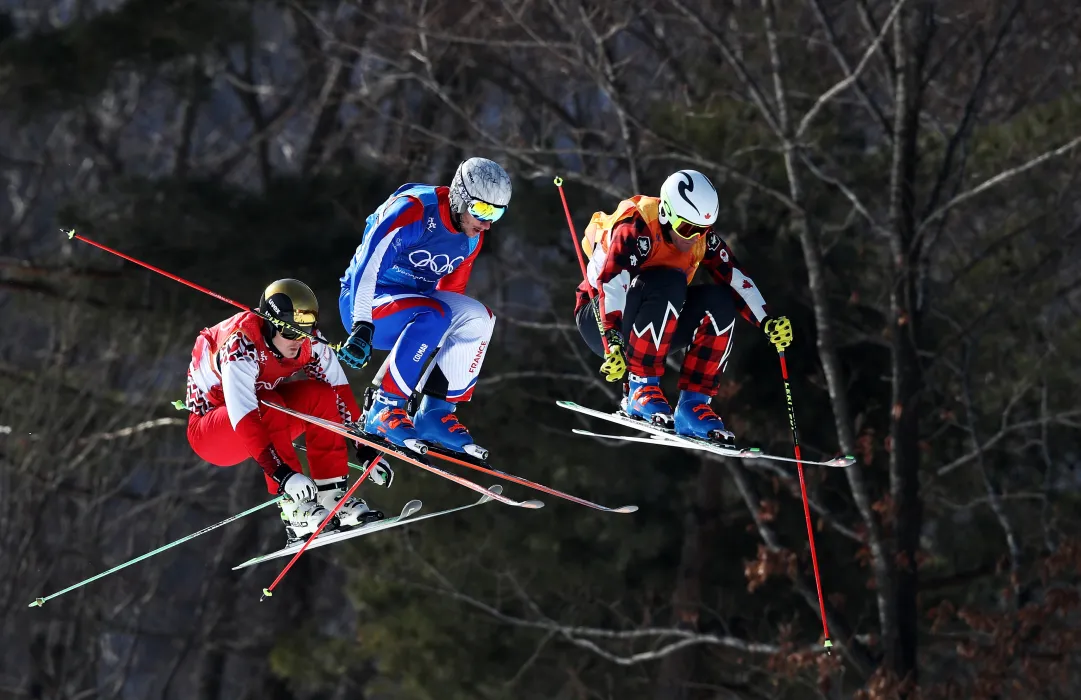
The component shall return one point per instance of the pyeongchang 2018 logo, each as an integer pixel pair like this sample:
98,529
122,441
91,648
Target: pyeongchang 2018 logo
439,264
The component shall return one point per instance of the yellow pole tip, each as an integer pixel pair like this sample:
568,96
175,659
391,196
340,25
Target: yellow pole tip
37,603
267,593
70,234
558,181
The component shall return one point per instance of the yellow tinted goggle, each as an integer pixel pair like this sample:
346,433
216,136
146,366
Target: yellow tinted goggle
685,229
483,211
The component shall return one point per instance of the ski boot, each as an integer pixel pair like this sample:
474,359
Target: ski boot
436,424
644,399
302,519
387,419
352,513
695,418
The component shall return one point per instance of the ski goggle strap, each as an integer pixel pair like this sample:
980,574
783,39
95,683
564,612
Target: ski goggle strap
483,211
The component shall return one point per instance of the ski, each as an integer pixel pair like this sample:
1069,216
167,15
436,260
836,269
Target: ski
339,535
482,466
660,436
378,526
393,451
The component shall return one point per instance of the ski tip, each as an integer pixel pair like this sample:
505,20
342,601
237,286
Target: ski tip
626,509
411,507
38,602
532,504
497,489
846,461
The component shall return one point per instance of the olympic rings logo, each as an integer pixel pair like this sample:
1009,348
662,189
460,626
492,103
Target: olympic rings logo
439,264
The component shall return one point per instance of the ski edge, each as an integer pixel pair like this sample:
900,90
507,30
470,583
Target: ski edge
413,506
662,437
372,528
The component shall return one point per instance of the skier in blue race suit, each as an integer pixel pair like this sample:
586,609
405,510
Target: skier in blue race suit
404,292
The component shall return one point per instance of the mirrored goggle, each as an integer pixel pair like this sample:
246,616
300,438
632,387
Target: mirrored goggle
292,332
302,320
483,211
685,229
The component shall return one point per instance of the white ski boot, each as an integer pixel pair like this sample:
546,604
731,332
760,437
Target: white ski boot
302,518
352,513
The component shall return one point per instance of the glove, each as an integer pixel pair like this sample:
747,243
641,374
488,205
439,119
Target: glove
381,474
779,330
357,350
295,485
615,360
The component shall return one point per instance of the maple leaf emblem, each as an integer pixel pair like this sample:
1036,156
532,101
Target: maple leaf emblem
747,284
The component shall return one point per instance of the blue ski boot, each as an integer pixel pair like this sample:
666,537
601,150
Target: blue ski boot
387,419
645,400
437,425
695,418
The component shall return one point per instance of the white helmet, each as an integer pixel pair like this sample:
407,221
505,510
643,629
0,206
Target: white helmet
689,202
481,187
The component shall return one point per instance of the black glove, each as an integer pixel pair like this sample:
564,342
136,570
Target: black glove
357,350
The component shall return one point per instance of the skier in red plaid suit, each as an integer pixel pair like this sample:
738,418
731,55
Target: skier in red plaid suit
642,259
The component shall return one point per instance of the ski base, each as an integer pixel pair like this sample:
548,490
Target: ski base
405,518
662,436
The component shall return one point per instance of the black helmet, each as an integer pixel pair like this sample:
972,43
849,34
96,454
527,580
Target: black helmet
292,302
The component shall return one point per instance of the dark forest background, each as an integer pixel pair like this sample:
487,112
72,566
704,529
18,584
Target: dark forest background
900,177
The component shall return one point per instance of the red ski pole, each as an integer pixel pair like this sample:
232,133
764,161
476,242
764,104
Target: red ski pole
268,591
581,261
204,290
780,334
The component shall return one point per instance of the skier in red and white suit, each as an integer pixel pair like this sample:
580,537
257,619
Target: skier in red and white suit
242,361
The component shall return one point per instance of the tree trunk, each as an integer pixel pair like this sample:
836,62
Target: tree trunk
910,42
700,527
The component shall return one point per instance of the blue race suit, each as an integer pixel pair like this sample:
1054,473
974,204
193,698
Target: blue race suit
407,278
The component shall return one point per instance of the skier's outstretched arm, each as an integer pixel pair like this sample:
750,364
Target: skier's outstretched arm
723,267
324,367
610,274
374,254
373,258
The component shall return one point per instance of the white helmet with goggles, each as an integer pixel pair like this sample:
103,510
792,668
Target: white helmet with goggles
689,203
481,187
